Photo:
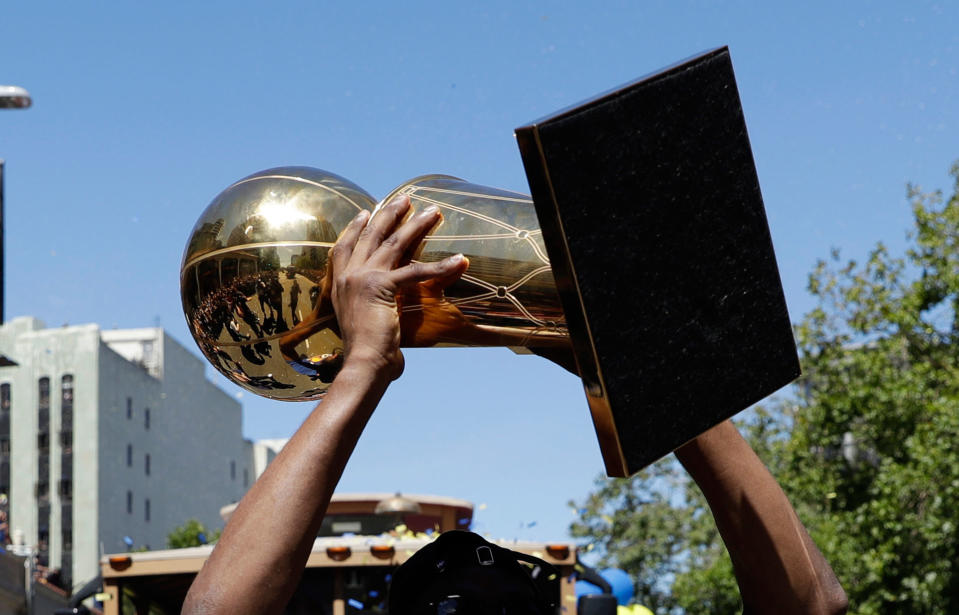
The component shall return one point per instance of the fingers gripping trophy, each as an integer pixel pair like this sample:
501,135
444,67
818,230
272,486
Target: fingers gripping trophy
255,278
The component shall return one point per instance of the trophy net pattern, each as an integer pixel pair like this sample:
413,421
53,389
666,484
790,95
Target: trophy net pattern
508,293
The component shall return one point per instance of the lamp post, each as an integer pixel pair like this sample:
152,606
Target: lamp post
396,508
11,97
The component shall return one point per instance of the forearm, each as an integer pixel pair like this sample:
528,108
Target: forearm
258,561
778,567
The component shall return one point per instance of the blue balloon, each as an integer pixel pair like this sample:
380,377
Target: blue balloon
619,580
622,585
585,588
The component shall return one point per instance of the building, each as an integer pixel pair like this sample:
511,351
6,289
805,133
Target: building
111,438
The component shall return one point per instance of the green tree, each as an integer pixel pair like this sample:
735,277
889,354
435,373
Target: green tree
191,534
867,448
657,526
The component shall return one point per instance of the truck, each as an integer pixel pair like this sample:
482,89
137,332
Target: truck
364,538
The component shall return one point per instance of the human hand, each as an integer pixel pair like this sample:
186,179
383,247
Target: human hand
370,266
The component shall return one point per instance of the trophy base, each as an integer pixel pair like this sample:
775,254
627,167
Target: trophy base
654,224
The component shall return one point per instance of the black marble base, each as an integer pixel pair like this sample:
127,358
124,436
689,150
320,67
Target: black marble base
654,223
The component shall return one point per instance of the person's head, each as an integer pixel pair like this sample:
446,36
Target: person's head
462,573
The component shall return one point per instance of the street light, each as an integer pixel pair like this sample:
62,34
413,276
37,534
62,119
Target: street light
14,97
11,97
397,505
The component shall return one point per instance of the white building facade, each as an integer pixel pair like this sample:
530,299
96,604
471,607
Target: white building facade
106,435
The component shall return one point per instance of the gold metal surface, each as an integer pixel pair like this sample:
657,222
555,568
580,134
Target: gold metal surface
254,276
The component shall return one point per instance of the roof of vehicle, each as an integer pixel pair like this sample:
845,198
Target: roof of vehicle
384,550
342,503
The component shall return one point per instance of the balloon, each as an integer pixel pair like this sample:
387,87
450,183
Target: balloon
622,584
619,580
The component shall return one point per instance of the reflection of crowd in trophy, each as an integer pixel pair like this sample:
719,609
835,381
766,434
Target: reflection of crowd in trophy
250,310
230,310
222,307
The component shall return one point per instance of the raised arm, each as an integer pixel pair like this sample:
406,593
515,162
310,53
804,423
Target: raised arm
777,565
258,561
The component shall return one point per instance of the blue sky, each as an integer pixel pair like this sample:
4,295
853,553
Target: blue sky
144,112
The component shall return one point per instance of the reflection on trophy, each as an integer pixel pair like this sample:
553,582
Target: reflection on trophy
256,292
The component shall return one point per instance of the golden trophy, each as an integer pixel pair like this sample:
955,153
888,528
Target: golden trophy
644,253
256,295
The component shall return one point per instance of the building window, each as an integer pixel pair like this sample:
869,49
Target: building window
129,455
66,415
66,544
129,407
5,473
43,469
44,396
66,442
5,438
146,464
232,470
43,479
129,502
146,419
43,407
146,510
43,535
246,477
66,388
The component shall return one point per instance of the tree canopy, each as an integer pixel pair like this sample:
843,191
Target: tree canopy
865,445
191,534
